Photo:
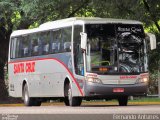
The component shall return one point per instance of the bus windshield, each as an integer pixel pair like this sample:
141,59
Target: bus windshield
115,49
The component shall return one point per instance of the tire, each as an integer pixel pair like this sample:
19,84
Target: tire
28,101
69,99
66,101
123,101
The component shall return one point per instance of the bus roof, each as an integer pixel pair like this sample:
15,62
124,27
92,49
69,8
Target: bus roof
70,21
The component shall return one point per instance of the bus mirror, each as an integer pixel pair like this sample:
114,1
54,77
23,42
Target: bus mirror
83,40
152,39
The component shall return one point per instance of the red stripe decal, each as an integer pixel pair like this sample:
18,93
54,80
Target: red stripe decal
60,63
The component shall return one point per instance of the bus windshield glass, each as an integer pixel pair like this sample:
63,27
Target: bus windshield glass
115,49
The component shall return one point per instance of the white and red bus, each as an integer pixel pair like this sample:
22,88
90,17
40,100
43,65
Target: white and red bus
79,58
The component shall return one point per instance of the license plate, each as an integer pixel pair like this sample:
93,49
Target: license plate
118,90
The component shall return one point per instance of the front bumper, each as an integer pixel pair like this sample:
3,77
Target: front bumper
102,90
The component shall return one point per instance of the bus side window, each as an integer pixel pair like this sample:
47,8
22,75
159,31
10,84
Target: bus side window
67,46
53,49
45,42
25,46
46,49
66,39
12,49
55,41
17,47
16,51
34,45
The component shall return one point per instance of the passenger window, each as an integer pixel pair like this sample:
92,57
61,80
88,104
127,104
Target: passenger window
25,47
45,41
35,46
56,41
66,39
13,47
16,44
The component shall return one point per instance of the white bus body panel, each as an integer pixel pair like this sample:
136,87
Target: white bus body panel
47,80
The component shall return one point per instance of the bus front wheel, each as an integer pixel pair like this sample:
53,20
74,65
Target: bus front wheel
69,99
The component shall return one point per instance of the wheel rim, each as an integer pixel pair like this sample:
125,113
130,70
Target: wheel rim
69,94
26,98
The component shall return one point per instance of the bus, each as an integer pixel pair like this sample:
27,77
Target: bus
80,58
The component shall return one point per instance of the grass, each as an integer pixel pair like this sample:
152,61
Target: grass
146,100
136,101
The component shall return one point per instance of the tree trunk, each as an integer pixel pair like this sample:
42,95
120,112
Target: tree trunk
3,88
4,43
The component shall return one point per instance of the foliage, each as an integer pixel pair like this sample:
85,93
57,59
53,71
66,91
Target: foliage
153,83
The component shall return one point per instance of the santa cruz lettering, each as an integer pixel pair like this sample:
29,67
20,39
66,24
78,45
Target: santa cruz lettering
27,67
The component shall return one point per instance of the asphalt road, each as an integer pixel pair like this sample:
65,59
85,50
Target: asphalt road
85,109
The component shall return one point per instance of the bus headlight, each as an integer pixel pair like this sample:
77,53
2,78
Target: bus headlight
94,80
145,80
142,80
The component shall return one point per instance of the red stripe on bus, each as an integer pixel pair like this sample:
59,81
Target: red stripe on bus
57,61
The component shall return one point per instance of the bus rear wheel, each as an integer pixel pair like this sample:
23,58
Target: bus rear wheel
69,99
123,101
28,101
